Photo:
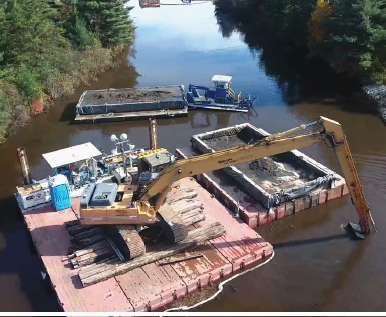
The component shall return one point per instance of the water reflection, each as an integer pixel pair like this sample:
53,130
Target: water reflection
300,78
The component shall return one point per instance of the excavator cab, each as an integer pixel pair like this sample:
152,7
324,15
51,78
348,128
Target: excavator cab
149,167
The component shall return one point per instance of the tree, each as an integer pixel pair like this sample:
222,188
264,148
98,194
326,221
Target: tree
108,20
356,36
290,18
316,30
27,36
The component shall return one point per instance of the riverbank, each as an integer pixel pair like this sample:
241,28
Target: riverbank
377,93
48,49
84,69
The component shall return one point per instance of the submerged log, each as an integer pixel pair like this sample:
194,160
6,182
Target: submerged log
193,239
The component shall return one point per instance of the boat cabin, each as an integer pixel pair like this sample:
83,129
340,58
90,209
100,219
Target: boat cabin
222,81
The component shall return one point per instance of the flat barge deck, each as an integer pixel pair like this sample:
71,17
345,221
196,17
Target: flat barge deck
151,286
131,104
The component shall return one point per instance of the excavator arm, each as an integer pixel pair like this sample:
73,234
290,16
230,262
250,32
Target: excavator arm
332,134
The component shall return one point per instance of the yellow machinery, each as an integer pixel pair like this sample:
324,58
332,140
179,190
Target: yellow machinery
148,200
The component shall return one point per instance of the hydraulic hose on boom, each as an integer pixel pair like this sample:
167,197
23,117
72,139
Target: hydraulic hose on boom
332,135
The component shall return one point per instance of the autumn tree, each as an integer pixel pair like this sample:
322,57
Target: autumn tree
316,30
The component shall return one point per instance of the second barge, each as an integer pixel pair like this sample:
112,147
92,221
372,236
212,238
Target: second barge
131,104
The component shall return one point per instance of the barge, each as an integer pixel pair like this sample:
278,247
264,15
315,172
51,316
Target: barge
273,180
122,267
131,104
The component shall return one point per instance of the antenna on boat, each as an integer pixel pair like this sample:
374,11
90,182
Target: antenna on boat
119,144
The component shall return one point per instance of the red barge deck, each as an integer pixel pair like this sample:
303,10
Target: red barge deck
151,286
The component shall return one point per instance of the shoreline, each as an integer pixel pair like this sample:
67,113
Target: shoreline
18,119
377,94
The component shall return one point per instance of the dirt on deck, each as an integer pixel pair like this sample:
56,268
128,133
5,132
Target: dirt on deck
133,95
273,174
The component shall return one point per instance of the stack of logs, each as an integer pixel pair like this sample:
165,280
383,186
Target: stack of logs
93,252
89,245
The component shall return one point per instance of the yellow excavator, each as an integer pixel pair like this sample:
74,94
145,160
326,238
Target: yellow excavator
143,204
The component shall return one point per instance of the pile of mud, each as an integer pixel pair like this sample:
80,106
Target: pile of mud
133,95
273,173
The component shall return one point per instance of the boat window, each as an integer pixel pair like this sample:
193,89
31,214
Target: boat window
221,85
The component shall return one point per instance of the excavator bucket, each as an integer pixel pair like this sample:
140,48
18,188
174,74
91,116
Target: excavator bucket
355,230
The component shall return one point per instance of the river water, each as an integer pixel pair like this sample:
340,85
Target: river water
316,267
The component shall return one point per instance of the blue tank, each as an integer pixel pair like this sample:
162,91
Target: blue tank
60,192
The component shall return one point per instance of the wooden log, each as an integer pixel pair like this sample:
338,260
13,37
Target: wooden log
193,239
86,234
188,193
108,259
187,206
74,230
92,248
192,217
72,223
176,259
88,242
92,257
181,202
92,270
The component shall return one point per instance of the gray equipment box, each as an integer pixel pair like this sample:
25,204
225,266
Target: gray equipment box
87,194
104,195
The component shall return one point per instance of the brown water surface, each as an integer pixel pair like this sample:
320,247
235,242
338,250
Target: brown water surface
316,267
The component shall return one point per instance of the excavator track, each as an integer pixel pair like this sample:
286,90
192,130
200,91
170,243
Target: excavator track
128,241
175,228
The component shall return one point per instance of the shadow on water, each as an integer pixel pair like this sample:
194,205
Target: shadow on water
68,113
296,243
299,77
21,264
122,75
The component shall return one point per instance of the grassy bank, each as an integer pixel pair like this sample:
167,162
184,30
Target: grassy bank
47,49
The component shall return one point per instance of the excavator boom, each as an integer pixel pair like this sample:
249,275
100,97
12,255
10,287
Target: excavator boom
332,134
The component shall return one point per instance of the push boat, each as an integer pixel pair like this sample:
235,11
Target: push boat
221,97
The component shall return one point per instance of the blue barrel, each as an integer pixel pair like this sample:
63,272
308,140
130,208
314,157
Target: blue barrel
60,192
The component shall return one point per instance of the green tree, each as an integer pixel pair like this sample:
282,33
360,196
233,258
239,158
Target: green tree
356,37
289,19
27,34
108,20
